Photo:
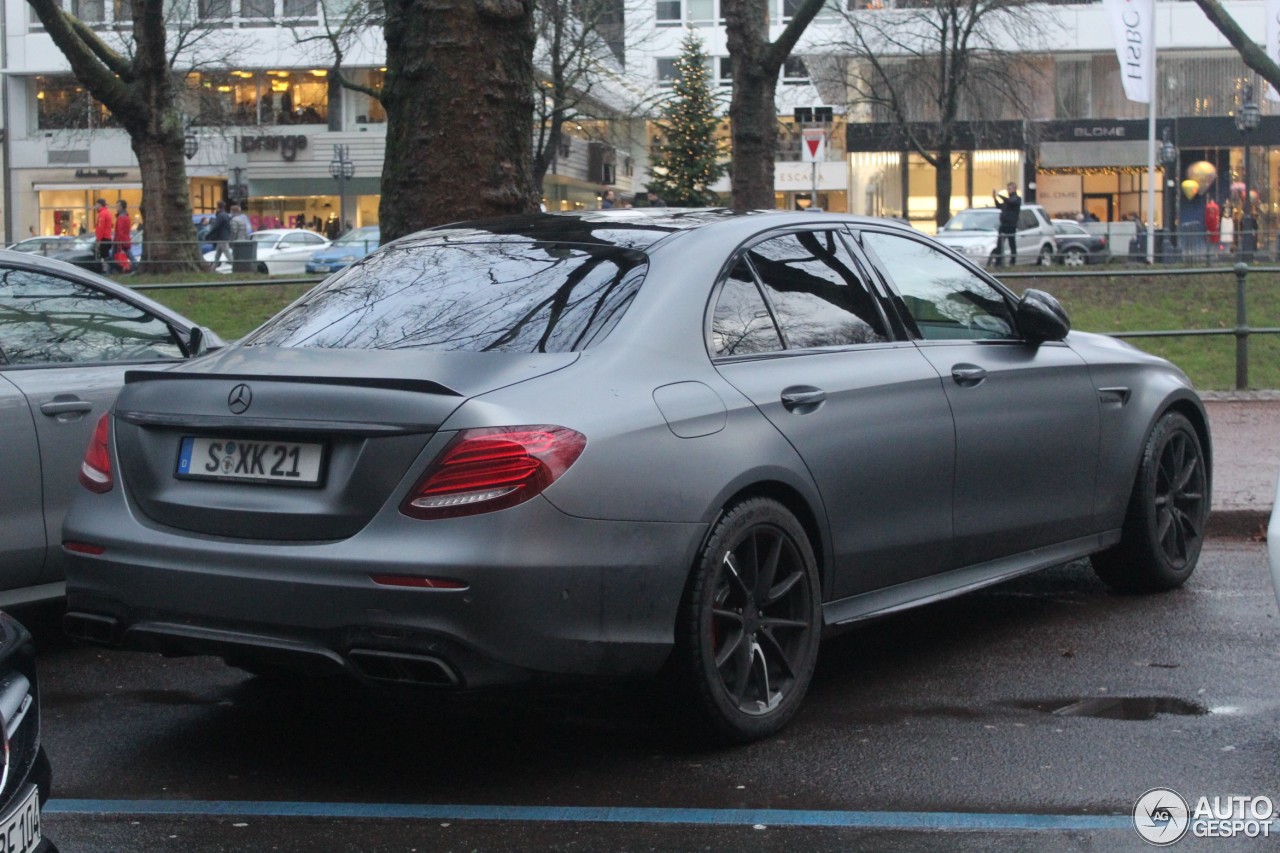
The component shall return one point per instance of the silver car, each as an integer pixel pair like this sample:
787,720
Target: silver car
623,443
67,336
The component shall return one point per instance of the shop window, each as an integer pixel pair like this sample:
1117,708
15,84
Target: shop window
366,108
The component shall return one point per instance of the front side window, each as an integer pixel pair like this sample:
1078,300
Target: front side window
50,320
741,324
946,299
813,285
505,296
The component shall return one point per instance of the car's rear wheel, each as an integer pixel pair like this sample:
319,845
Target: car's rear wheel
262,268
1046,257
749,625
1164,527
1074,256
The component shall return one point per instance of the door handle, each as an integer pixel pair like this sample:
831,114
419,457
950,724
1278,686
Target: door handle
968,375
804,398
65,407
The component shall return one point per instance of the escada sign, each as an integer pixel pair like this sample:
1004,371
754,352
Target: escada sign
288,146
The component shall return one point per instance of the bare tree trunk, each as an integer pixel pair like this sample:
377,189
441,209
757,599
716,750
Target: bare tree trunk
459,98
942,186
752,112
141,92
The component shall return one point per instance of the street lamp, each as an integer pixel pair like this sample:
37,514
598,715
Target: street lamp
190,143
1248,117
342,169
1169,159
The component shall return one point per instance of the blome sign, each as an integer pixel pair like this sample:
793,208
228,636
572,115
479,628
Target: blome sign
1162,817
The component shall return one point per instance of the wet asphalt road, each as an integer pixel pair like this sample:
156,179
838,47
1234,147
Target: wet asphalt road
946,709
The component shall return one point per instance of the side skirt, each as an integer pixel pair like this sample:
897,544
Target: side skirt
880,602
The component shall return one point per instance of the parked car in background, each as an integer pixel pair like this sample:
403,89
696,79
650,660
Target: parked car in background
621,442
973,232
43,245
82,252
280,251
27,775
1077,246
67,336
346,250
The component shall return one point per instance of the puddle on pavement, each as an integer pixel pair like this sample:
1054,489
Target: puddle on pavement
1118,707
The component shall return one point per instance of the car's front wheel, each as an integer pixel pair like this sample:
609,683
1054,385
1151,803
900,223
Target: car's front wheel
1164,527
750,622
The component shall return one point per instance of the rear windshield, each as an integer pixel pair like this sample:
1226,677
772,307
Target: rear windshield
974,220
471,297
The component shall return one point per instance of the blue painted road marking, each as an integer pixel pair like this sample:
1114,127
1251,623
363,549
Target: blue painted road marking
606,814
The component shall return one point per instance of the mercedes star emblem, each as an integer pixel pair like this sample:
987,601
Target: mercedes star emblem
240,399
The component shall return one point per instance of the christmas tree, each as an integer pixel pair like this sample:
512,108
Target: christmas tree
686,162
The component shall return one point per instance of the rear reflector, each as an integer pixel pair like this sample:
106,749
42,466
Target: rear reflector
95,470
84,548
417,582
482,470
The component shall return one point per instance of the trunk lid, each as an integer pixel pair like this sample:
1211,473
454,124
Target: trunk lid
214,446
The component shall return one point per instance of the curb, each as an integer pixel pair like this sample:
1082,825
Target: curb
1236,523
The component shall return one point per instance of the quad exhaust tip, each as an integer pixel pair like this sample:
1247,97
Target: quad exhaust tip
402,668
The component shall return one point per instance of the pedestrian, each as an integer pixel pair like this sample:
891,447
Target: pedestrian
1010,208
241,227
654,200
608,200
123,237
220,234
103,232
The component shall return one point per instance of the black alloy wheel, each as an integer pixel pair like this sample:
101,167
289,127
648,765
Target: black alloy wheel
1164,528
747,641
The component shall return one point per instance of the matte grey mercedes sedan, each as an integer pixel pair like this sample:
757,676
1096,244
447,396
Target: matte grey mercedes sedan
623,444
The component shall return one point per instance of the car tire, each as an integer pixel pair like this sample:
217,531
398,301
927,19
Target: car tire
747,643
1074,257
1046,257
263,269
1164,526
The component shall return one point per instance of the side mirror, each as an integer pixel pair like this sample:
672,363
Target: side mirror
1041,317
197,342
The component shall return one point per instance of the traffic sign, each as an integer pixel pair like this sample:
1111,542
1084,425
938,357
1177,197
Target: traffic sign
814,145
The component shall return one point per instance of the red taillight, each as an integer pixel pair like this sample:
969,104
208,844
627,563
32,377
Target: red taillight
482,470
84,548
95,470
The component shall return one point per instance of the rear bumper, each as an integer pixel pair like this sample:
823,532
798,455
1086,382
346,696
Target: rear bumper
546,594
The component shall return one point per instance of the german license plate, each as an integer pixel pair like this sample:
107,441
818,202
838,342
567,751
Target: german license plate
20,831
286,462
322,268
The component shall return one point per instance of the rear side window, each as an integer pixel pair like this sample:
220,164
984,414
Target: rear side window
1026,220
742,324
819,299
506,296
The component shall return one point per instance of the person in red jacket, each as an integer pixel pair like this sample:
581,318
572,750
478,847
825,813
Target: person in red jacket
124,238
104,231
1212,222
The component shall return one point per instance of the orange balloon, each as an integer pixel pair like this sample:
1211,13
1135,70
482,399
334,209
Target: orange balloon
1190,188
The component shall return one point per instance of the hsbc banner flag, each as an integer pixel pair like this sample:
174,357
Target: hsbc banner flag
1133,22
1273,42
